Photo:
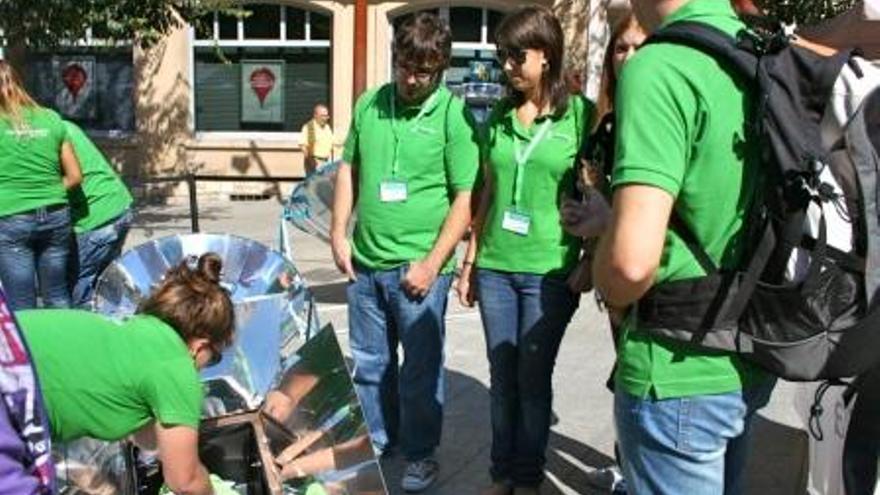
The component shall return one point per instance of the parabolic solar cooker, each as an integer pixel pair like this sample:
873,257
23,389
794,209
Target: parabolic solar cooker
282,388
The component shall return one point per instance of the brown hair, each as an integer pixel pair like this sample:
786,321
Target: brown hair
538,28
423,40
608,85
192,302
13,97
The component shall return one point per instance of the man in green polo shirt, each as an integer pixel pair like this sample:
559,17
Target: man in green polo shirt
682,413
409,164
101,214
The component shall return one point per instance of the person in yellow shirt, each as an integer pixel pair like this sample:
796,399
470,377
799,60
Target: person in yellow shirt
317,138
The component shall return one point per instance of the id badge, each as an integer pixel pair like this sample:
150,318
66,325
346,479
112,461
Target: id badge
392,191
516,221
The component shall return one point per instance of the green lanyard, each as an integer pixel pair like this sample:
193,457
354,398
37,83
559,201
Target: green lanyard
422,111
522,156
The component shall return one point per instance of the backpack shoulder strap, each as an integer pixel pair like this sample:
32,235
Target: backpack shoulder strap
711,41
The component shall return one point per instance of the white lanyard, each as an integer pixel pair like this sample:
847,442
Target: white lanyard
522,156
427,105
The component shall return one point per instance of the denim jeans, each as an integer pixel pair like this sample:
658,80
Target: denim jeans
405,400
524,319
33,245
95,250
696,445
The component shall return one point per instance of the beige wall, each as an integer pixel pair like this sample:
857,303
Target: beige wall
165,143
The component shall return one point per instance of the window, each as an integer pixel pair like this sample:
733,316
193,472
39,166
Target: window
90,82
263,73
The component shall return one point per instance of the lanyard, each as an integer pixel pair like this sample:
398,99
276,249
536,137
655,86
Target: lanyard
522,156
422,111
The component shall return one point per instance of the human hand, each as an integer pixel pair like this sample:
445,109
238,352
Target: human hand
466,286
342,255
419,278
587,219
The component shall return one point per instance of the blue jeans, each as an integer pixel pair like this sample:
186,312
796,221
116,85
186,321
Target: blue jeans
36,244
694,445
524,318
95,250
408,399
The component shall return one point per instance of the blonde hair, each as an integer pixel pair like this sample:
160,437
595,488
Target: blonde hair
13,97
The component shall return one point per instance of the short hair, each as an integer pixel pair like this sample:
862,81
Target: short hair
423,41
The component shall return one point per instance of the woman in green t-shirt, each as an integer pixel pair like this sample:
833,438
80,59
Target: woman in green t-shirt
520,250
37,166
108,380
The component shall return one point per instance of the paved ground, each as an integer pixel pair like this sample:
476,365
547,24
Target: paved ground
583,437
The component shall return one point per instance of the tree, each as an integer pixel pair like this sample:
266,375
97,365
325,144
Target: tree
48,23
804,11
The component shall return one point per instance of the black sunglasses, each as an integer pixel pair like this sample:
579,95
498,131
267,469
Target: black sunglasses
505,53
216,356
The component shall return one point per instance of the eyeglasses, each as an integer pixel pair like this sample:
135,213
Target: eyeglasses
516,55
216,356
422,74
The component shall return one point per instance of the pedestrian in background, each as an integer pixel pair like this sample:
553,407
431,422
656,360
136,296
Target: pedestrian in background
101,212
521,253
410,162
317,139
37,167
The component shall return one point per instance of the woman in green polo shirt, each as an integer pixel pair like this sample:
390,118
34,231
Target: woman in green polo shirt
520,250
108,380
37,165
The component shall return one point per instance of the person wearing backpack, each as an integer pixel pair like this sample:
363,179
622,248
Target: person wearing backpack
682,412
519,256
102,216
409,164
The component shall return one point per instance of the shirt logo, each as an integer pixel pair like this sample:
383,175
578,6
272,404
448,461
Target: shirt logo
27,133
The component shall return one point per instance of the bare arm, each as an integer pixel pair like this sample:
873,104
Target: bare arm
70,166
422,273
343,202
629,253
181,468
466,294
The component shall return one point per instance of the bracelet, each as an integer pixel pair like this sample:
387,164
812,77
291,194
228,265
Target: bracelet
465,263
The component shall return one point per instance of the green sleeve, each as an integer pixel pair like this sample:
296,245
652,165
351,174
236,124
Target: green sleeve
351,149
487,135
656,109
462,147
174,393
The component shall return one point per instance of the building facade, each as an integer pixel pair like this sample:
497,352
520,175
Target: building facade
230,99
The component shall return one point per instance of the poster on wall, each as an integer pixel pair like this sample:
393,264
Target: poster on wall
262,91
75,88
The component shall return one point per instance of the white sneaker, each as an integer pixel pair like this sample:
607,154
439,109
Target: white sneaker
607,478
419,475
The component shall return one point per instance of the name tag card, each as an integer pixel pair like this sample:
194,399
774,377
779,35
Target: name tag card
392,191
516,221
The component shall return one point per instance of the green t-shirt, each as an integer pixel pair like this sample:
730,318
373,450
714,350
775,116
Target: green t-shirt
30,161
102,196
437,155
681,127
106,379
548,176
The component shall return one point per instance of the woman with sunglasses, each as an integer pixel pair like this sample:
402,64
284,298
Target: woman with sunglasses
521,253
109,380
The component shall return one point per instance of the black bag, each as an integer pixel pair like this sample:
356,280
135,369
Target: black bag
804,303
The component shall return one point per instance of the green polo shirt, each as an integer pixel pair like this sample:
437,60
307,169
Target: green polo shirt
548,176
681,128
102,196
106,379
437,154
30,161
